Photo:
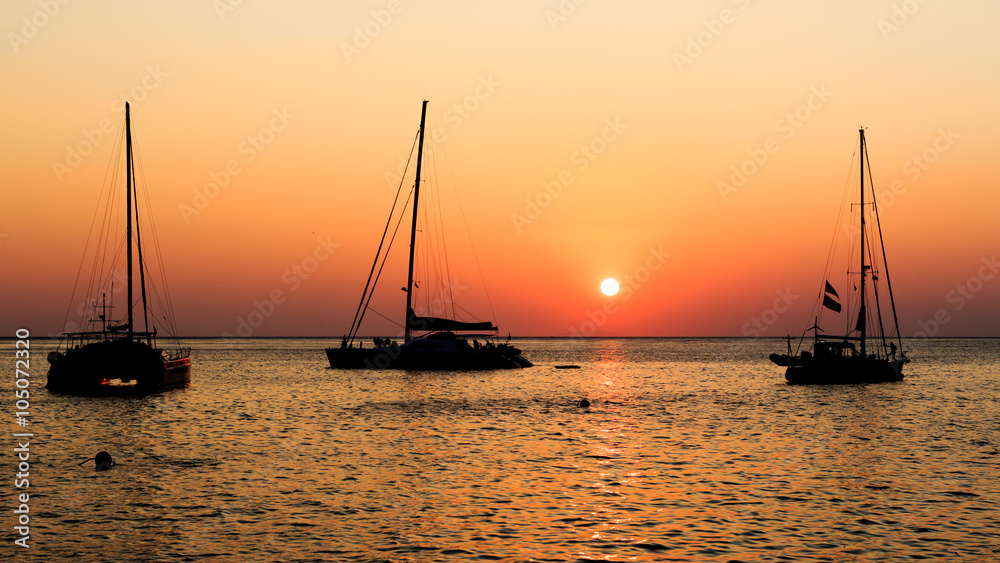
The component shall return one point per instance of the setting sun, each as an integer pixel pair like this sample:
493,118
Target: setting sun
545,178
609,287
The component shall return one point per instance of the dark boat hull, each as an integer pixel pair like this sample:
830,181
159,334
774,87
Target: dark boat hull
116,367
838,371
388,358
441,351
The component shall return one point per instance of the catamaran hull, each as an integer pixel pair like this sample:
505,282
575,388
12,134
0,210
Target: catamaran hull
838,371
116,367
398,358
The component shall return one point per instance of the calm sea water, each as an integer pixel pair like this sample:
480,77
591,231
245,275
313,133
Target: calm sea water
691,450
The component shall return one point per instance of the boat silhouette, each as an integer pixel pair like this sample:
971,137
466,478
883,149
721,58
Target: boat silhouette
429,342
869,351
116,358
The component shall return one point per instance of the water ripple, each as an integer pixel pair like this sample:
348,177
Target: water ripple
681,456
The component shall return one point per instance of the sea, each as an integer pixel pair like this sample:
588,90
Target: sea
690,450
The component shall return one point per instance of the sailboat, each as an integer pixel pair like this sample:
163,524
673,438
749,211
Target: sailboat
115,358
429,343
868,352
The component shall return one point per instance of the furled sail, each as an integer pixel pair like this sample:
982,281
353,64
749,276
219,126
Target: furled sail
861,319
414,322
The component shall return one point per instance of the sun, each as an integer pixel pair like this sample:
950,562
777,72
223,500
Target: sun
609,287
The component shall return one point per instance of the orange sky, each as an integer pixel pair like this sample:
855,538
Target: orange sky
633,113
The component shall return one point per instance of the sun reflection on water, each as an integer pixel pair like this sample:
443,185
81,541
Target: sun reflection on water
678,457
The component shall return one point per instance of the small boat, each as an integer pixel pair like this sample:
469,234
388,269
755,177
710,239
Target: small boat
869,351
113,357
429,343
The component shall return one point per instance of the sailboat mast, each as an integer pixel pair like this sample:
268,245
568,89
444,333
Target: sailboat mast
128,206
862,322
413,228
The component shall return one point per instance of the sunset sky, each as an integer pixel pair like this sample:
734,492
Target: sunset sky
584,139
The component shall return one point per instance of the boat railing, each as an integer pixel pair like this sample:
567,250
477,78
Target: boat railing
82,338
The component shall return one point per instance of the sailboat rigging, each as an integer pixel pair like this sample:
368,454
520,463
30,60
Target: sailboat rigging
429,342
867,353
117,358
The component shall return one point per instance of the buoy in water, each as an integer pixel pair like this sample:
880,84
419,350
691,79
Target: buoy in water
103,461
583,404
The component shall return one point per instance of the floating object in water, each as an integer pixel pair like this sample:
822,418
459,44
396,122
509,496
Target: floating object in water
583,404
103,461
568,366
